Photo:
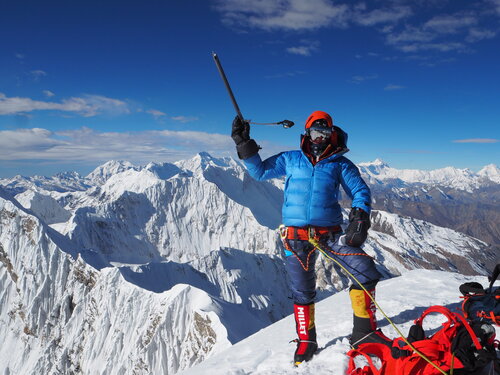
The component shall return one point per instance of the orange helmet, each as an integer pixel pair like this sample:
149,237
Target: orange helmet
320,129
319,115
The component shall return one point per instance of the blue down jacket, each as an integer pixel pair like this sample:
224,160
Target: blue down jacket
312,191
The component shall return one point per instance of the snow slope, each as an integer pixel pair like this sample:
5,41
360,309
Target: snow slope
59,315
403,299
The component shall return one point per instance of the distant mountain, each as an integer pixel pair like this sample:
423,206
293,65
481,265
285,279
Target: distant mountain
379,172
153,269
61,182
453,198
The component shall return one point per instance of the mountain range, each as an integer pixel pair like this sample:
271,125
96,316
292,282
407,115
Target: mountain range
153,269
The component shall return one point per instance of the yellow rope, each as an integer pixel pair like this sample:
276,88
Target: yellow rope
317,245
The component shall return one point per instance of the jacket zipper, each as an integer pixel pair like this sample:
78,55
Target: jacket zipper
311,185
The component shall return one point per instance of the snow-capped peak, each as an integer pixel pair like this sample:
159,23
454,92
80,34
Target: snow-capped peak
163,171
131,180
203,161
377,162
491,172
99,175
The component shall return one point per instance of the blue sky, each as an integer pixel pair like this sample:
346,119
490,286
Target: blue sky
415,83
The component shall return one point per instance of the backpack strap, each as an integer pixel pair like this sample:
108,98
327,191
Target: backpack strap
494,277
352,369
473,336
436,309
453,318
367,350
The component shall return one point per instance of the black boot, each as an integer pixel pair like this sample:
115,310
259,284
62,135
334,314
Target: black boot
306,330
364,328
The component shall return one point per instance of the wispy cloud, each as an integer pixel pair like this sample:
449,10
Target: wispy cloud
441,47
359,78
302,50
48,93
285,74
496,4
305,15
305,48
37,74
392,87
442,33
476,140
365,17
282,14
450,24
406,26
87,105
156,114
184,119
476,35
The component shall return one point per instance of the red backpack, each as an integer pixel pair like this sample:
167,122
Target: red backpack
454,346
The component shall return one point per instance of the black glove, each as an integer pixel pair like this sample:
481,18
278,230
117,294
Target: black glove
357,230
240,133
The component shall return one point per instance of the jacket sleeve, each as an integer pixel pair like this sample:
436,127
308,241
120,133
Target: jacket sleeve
272,167
355,186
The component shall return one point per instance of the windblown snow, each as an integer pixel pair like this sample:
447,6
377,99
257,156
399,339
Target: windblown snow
155,269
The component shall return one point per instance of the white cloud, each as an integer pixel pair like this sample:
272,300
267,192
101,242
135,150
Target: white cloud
359,79
38,73
409,34
302,50
88,105
476,35
406,25
305,48
441,47
156,114
476,140
285,74
442,33
88,146
305,15
283,14
185,119
20,141
379,16
450,24
392,87
48,93
496,4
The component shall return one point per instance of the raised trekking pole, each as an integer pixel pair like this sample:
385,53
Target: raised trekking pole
286,123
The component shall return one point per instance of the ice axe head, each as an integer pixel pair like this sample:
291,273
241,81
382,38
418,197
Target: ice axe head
286,123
